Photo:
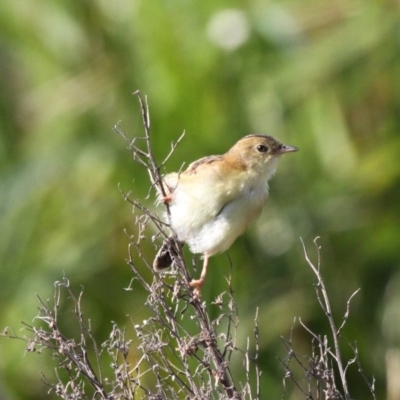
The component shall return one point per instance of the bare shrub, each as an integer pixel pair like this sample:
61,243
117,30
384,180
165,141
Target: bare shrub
184,353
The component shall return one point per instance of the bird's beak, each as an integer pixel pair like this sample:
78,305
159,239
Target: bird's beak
287,149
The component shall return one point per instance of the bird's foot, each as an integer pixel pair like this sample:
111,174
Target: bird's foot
167,199
197,284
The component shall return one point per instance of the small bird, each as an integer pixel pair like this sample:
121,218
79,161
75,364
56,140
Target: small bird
217,197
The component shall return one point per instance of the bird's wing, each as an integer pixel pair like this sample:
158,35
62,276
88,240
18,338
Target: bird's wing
203,167
206,183
203,164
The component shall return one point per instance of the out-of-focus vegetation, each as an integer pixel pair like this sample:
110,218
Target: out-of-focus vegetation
323,76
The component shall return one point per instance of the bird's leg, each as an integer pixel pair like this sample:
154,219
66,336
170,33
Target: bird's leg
198,283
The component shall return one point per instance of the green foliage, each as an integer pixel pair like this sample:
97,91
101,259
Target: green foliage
322,76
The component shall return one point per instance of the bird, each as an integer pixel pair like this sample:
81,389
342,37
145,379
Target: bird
217,198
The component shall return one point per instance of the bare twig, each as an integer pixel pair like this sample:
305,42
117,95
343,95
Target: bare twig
328,312
346,315
320,367
257,341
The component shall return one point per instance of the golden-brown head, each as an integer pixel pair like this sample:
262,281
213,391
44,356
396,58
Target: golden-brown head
257,154
257,150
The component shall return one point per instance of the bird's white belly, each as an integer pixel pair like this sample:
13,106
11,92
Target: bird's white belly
210,234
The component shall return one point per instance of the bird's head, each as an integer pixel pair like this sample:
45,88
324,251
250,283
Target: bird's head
258,153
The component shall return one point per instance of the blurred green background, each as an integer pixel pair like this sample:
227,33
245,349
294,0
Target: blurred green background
323,76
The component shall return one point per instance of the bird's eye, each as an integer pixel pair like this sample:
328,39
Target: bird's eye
262,149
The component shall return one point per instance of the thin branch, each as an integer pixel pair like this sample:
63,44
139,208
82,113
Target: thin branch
328,313
346,315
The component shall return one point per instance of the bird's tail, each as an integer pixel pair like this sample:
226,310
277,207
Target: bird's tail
165,256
